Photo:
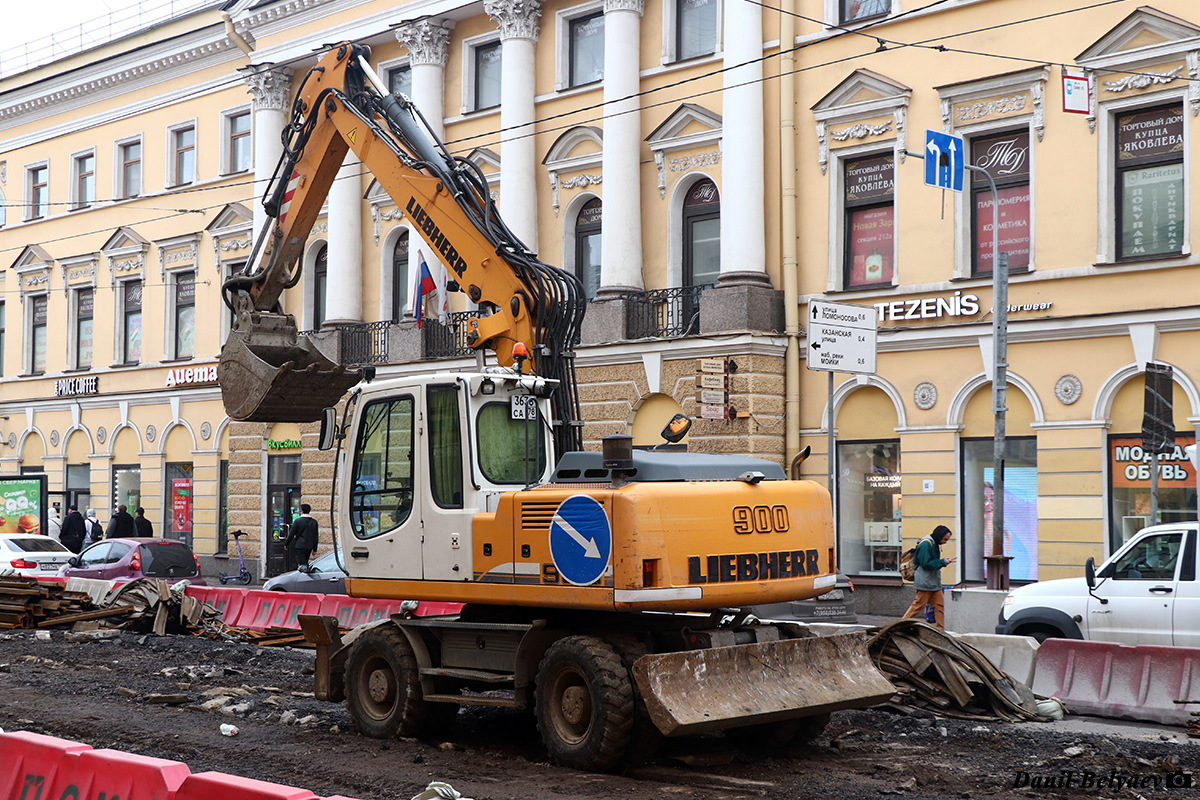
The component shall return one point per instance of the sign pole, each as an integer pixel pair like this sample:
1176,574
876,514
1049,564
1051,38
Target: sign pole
997,561
830,445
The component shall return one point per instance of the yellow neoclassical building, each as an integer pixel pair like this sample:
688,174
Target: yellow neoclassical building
708,168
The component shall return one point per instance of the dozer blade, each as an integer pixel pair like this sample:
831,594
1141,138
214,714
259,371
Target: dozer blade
275,378
695,691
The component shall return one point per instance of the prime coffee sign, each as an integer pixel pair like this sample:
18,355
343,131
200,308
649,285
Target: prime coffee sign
73,387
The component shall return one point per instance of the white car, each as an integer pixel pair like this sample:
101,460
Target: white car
1147,592
31,554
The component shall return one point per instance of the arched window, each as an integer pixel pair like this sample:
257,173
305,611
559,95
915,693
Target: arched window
587,246
702,235
399,277
320,285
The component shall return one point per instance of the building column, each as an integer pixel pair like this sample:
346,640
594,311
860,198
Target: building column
428,44
343,301
743,216
518,21
621,235
271,89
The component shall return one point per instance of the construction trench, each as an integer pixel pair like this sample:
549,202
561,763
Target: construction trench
956,728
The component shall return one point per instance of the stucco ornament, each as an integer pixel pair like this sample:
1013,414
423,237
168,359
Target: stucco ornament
54,438
205,431
150,433
925,395
427,41
517,19
12,440
101,434
1068,389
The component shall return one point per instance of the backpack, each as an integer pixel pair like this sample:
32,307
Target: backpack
908,570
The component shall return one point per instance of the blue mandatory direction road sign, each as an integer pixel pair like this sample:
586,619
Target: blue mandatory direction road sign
944,160
580,540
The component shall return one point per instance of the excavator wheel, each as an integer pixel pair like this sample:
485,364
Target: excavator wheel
774,736
584,704
383,686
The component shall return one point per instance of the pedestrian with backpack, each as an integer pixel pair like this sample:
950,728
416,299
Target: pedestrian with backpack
95,531
929,603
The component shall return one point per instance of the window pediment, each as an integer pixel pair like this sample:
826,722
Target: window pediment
864,105
994,98
689,127
578,150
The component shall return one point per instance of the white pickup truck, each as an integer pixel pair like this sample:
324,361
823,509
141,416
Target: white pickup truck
1145,593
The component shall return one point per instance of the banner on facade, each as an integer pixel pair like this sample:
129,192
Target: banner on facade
22,504
181,505
1131,464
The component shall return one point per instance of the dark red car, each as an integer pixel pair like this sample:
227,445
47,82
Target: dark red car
127,559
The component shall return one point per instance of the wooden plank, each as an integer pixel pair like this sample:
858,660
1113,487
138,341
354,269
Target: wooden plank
98,613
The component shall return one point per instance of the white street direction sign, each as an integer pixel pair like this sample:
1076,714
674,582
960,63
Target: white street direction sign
841,338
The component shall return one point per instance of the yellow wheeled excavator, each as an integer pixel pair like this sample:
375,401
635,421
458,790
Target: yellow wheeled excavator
602,590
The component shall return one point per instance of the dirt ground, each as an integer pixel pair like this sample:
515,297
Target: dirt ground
102,693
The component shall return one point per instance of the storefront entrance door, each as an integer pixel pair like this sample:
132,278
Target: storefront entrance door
283,507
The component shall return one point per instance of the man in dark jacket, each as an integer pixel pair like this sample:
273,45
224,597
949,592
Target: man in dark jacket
121,525
73,530
302,536
144,528
927,578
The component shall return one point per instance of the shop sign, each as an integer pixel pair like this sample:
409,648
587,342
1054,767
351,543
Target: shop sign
192,375
22,504
883,481
958,305
1131,465
67,387
283,444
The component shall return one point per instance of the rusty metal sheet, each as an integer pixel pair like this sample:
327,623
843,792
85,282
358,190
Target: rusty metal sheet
727,687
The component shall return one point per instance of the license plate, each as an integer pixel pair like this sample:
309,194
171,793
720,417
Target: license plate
832,594
48,567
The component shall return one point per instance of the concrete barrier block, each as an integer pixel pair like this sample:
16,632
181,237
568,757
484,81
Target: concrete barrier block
1016,656
1119,681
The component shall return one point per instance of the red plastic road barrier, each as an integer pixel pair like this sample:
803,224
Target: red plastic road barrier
1119,681
114,774
353,611
213,785
262,609
227,598
31,763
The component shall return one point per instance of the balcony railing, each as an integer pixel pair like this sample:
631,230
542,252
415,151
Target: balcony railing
364,343
663,313
449,340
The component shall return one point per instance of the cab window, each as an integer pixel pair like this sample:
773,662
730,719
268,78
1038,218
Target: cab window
503,442
382,488
1152,559
445,447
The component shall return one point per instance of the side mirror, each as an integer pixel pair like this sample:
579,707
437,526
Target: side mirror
73,561
676,429
328,436
1089,572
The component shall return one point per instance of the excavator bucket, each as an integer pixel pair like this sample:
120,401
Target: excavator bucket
270,373
695,691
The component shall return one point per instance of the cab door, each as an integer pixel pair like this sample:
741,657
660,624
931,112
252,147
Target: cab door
448,497
1140,586
1186,615
381,486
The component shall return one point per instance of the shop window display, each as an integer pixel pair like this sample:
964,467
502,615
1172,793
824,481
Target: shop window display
1129,486
869,513
1020,507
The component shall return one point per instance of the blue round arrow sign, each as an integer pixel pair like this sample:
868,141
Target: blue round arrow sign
580,540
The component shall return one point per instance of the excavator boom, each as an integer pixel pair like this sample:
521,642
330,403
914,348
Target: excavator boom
270,372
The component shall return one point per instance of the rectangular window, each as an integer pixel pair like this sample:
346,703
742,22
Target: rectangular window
1020,507
445,447
37,333
131,170
587,49
854,10
695,28
85,180
240,142
183,145
869,507
400,81
1129,489
131,322
39,192
1150,203
185,314
870,218
487,76
382,469
1006,158
84,305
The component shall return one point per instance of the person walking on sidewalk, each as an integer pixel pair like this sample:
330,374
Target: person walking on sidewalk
144,528
930,604
302,536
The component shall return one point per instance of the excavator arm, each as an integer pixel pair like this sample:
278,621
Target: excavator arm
270,372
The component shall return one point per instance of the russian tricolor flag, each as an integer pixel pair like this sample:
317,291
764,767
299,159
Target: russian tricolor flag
425,284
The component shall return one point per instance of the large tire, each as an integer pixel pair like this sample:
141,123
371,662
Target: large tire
584,704
383,686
